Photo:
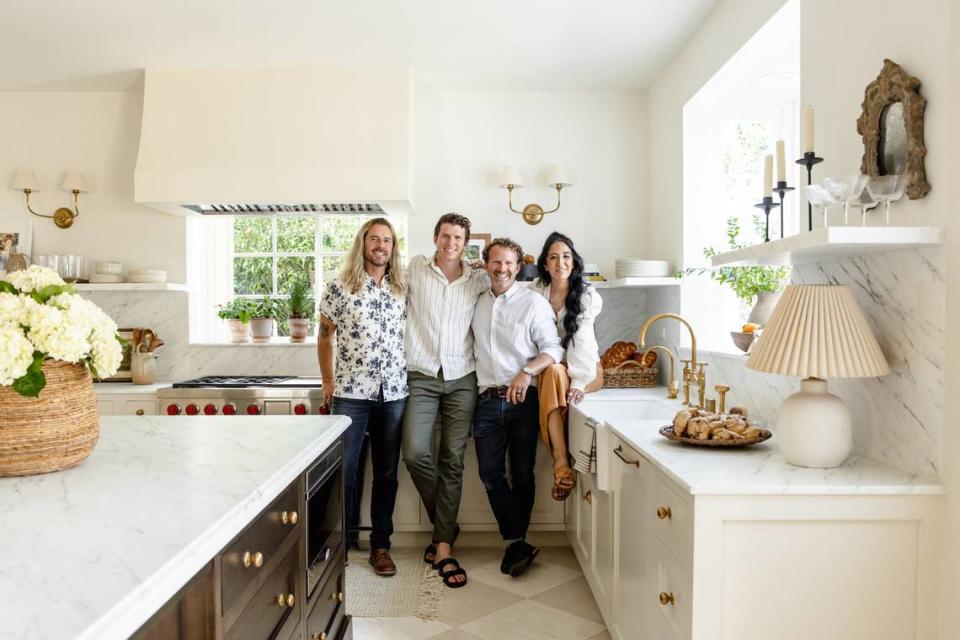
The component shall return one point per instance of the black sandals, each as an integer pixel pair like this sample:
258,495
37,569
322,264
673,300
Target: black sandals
448,575
430,551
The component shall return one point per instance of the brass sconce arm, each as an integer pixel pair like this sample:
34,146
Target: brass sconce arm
62,217
533,213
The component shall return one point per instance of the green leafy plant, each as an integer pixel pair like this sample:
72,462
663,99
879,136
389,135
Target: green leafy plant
267,307
236,309
300,302
746,282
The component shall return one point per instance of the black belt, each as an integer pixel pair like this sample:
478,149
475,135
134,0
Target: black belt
495,393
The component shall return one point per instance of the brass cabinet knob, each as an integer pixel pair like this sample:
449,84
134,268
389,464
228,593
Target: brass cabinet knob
588,497
252,559
289,517
664,513
666,598
139,412
336,597
285,600
319,636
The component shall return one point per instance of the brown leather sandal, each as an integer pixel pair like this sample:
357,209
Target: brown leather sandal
564,482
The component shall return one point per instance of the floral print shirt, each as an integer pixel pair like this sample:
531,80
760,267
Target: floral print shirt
369,352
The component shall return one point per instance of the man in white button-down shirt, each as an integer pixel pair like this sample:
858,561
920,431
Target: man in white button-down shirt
515,338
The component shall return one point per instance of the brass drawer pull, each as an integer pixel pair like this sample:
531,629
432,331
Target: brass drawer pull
252,559
588,497
319,636
664,513
289,517
336,596
139,412
666,598
285,601
619,452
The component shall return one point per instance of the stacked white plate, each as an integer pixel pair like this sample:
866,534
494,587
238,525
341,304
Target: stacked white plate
636,268
146,275
105,278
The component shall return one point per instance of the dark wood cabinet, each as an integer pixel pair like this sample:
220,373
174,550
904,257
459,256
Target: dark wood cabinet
192,614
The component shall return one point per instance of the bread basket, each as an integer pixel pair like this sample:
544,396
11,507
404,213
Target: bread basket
630,374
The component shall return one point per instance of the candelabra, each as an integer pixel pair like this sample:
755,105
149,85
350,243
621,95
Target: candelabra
767,205
781,190
808,160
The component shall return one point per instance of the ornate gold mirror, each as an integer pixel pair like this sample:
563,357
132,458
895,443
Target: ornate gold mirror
891,124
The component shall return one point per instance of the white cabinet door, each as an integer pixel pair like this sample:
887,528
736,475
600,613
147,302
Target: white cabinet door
584,507
105,407
406,511
602,565
139,407
632,590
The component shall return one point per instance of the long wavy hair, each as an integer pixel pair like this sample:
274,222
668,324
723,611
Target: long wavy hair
571,321
353,274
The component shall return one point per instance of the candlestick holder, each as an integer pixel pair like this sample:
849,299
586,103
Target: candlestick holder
781,190
808,160
767,205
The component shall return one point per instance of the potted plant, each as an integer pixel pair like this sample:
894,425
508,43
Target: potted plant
756,285
237,314
299,311
51,340
263,313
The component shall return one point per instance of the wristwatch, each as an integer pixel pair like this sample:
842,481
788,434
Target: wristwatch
529,372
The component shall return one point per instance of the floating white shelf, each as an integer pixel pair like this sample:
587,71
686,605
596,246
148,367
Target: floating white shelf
831,243
131,286
631,283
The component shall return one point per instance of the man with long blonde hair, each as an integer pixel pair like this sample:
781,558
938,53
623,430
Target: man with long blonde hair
363,312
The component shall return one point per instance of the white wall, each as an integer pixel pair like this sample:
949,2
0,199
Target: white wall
98,134
462,139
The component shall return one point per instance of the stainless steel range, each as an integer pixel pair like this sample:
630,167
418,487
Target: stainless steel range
244,395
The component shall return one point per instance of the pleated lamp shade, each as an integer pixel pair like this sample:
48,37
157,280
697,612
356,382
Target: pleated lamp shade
818,331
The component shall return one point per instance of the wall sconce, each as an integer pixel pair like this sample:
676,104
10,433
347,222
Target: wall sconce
532,213
73,181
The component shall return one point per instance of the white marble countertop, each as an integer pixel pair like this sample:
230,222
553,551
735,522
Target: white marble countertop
94,551
128,388
637,414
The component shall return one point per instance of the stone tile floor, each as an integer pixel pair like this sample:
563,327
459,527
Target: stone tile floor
550,601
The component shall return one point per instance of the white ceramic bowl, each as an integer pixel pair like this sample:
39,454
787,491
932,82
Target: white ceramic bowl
105,278
106,267
146,275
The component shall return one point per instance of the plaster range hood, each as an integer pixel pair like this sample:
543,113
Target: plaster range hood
275,141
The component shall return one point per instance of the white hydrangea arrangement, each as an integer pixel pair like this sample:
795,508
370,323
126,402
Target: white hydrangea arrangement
41,317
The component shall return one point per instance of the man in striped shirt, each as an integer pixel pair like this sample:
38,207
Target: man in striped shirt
441,375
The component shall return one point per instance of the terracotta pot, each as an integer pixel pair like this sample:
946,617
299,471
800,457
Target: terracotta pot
54,431
299,329
239,331
262,329
766,301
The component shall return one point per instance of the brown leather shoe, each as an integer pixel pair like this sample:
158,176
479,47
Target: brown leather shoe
382,562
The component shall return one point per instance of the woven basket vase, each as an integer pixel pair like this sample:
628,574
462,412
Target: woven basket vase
54,431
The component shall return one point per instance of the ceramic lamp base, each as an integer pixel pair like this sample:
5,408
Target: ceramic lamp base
813,428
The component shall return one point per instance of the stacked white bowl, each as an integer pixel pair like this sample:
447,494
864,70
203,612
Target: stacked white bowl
636,268
107,272
147,275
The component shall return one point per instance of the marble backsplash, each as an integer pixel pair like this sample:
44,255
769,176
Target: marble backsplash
897,419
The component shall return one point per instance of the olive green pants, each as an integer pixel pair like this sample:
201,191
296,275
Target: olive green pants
439,481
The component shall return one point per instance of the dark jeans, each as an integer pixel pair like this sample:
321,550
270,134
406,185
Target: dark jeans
501,429
383,421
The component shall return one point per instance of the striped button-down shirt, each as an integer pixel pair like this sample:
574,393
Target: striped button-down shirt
439,313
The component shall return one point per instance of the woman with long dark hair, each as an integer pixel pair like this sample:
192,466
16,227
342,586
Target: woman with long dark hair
576,305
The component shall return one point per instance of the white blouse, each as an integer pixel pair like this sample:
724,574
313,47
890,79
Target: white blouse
583,353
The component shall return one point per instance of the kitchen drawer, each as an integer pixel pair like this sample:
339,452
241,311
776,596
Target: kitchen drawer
139,407
672,601
263,536
673,517
274,610
324,621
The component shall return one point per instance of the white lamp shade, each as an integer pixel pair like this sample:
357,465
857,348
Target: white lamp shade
818,331
24,179
74,181
557,176
510,175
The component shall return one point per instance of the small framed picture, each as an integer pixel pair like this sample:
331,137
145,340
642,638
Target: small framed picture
124,373
16,236
478,242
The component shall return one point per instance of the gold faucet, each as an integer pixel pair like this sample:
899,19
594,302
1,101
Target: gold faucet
672,387
693,373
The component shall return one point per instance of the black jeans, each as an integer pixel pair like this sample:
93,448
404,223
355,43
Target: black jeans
383,421
501,429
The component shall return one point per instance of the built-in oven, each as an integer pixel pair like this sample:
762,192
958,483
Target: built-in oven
324,515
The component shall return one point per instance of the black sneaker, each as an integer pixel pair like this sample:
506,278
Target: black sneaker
517,558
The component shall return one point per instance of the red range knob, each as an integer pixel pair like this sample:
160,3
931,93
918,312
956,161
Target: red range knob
210,409
173,409
229,409
192,409
300,409
253,410
324,410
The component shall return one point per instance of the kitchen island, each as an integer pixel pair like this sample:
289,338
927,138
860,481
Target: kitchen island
94,551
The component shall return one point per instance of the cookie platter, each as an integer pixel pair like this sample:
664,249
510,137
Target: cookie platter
701,428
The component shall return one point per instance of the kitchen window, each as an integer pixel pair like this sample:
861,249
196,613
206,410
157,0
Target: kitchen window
256,256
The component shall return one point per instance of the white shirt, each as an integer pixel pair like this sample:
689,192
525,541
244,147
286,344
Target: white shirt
583,352
509,331
439,313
